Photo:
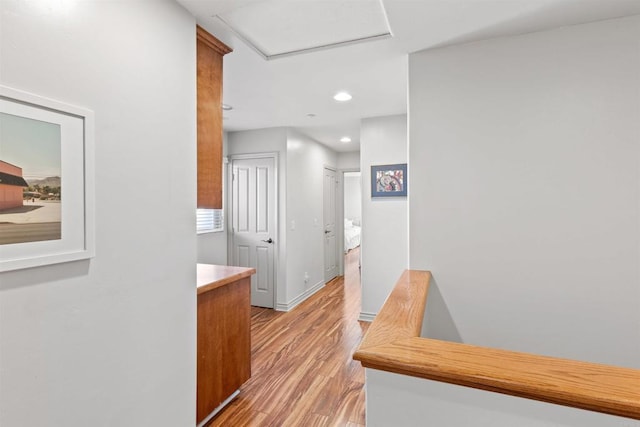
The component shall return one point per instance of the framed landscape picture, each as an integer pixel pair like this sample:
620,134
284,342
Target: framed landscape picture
46,181
389,180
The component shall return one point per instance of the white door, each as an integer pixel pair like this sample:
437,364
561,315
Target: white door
254,221
329,220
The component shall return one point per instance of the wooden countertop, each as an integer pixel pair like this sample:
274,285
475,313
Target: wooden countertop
212,276
393,344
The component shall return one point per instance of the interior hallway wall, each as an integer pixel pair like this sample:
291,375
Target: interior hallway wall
110,341
352,196
384,248
349,160
306,160
524,197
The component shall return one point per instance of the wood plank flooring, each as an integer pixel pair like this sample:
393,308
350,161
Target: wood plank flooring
302,371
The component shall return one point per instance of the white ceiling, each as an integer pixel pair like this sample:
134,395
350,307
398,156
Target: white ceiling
283,91
306,25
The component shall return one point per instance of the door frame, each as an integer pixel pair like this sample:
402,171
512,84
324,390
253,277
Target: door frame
340,207
339,228
229,222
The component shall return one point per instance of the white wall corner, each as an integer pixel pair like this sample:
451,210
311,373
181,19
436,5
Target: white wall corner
300,298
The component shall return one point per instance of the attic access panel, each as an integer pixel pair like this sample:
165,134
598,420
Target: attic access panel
277,28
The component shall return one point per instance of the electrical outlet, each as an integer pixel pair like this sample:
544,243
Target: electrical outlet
306,277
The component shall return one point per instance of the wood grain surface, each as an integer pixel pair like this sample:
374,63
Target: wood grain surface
209,53
602,388
212,276
302,368
224,344
403,310
212,42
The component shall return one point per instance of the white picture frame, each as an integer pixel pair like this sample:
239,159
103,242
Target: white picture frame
76,212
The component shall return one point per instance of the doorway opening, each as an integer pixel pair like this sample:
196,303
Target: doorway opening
352,212
331,221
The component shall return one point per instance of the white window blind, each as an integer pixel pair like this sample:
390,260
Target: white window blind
209,220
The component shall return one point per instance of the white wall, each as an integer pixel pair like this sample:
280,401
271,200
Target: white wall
306,160
524,189
352,195
110,341
402,401
273,140
212,247
349,160
384,220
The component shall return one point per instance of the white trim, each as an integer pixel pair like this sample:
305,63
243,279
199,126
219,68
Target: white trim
386,18
219,408
276,246
261,155
340,207
338,230
366,317
375,37
266,57
77,159
300,298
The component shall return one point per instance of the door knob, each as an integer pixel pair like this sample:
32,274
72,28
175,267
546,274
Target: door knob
270,240
327,231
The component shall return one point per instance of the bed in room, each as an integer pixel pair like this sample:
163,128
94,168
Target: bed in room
352,232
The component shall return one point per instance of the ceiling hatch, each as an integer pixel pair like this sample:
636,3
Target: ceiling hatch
277,28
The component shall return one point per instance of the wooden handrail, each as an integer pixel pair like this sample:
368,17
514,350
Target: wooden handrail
393,344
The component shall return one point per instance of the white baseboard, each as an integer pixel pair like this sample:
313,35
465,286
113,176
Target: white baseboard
297,300
366,317
219,408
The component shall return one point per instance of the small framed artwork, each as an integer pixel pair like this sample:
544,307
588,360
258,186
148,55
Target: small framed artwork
46,181
389,180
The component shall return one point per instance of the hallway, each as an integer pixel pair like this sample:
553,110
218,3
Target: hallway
302,371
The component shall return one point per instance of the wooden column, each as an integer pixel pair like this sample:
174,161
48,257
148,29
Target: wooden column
209,100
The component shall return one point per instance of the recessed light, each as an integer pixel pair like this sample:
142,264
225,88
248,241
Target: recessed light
345,139
342,96
227,107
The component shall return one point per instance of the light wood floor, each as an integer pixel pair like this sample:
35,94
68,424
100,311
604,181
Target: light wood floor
302,371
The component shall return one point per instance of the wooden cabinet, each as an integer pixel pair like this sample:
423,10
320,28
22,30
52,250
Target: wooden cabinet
224,335
209,52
